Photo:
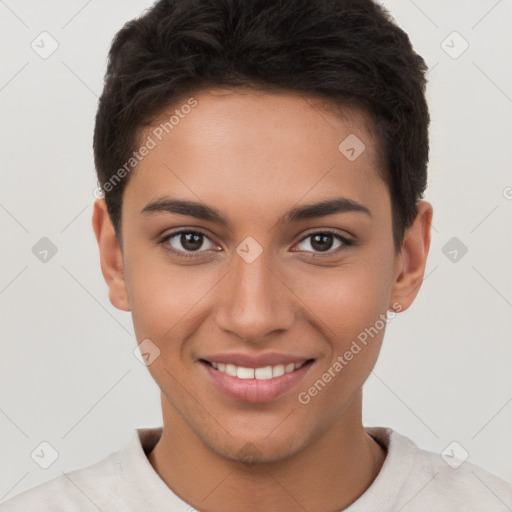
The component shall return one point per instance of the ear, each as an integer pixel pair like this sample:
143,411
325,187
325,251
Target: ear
111,258
413,258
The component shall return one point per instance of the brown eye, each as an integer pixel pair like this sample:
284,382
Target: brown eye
191,241
185,243
324,241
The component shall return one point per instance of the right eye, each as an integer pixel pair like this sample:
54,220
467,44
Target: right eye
189,240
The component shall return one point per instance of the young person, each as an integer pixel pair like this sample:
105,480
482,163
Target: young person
263,166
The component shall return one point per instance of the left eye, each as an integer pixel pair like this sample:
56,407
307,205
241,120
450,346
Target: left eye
322,241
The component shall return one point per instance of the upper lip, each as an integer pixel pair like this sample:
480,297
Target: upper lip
260,361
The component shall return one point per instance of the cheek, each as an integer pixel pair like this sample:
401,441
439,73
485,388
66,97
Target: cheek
349,306
164,296
352,316
346,299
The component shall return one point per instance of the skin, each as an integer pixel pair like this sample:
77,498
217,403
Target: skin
253,156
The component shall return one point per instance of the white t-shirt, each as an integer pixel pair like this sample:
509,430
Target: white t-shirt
410,480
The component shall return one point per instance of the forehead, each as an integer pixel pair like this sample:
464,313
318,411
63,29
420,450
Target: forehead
253,150
251,114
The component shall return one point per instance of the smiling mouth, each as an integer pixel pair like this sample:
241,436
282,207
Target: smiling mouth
262,373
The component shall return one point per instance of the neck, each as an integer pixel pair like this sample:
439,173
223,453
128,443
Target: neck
329,474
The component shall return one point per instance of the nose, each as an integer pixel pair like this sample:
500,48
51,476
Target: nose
257,302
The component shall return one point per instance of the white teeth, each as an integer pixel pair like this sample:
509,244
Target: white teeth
231,370
278,370
263,373
245,373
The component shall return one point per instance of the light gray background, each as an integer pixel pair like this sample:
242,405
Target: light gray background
68,373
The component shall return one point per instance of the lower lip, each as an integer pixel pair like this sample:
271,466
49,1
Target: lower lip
256,390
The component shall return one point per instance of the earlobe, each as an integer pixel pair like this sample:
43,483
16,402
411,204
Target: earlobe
111,258
413,258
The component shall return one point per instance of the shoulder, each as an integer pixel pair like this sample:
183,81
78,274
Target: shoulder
85,489
467,485
122,481
448,483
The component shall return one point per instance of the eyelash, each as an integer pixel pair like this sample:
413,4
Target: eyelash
346,243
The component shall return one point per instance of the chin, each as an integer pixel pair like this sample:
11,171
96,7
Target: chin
257,451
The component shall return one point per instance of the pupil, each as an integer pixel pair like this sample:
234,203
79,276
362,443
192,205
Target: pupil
321,246
191,241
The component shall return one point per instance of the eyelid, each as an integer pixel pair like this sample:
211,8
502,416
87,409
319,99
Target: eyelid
331,231
346,242
163,240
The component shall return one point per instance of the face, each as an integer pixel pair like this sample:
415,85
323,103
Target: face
250,292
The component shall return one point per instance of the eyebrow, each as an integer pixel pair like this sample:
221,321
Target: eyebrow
201,211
